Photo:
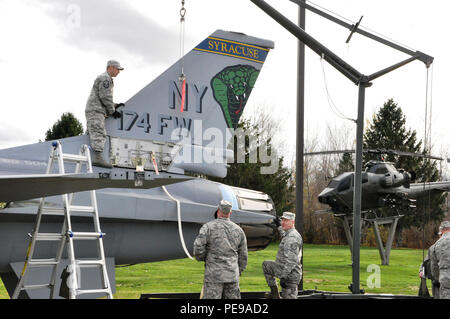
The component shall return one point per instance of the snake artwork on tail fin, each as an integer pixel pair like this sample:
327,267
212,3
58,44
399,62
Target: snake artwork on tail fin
231,88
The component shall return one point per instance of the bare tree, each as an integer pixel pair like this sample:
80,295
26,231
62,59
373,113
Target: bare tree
318,171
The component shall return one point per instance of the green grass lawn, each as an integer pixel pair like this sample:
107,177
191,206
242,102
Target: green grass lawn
326,268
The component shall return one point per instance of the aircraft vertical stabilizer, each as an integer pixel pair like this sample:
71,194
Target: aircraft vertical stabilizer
220,74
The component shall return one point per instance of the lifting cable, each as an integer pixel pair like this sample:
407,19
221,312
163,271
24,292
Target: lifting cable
180,228
182,77
331,104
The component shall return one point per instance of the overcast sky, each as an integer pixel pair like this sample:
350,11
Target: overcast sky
52,50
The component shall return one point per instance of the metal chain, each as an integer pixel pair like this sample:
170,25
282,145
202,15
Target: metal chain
182,11
182,31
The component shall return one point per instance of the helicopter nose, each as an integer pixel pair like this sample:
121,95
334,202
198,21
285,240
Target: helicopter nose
327,196
323,199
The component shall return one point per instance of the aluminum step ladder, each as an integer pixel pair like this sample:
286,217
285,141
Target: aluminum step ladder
67,235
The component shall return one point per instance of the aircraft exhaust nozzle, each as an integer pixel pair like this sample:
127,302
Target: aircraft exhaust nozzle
258,236
259,233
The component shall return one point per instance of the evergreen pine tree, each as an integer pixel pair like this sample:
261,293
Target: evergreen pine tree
68,125
388,131
345,164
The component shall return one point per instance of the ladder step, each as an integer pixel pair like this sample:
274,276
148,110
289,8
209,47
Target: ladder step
74,158
93,291
49,236
52,210
81,209
42,262
72,208
87,263
29,287
85,235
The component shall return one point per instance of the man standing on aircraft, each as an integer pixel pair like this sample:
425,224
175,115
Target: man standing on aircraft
440,260
222,245
287,264
99,106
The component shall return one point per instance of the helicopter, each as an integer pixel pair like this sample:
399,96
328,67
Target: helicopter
383,185
150,205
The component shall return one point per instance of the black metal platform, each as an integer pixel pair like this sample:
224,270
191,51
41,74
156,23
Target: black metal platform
305,294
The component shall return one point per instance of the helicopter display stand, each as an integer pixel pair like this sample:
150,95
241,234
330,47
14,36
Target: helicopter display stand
348,233
375,223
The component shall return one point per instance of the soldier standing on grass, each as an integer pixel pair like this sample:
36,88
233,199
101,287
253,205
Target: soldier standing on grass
440,260
222,245
287,264
426,273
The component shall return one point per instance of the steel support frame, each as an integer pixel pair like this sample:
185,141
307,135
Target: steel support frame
385,252
363,81
375,223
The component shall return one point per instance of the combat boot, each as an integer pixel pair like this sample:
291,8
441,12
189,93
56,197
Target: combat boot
273,294
99,161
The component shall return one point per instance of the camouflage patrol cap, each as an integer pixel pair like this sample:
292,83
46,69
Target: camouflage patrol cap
225,206
288,215
115,64
445,224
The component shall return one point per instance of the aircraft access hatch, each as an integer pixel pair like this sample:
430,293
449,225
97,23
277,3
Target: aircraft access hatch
130,153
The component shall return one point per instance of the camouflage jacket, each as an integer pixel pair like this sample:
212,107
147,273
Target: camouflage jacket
429,272
222,245
440,260
288,256
101,98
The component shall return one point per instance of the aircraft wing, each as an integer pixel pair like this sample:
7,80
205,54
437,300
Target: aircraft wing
23,187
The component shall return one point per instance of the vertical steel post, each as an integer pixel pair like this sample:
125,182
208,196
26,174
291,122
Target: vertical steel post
357,190
300,129
359,79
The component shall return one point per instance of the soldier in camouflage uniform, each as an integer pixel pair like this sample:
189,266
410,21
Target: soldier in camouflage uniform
222,245
287,264
99,106
426,273
440,260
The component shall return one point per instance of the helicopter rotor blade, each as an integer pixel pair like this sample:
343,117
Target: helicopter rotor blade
328,152
377,151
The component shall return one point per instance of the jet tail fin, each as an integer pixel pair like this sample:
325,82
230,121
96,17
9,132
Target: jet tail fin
172,116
